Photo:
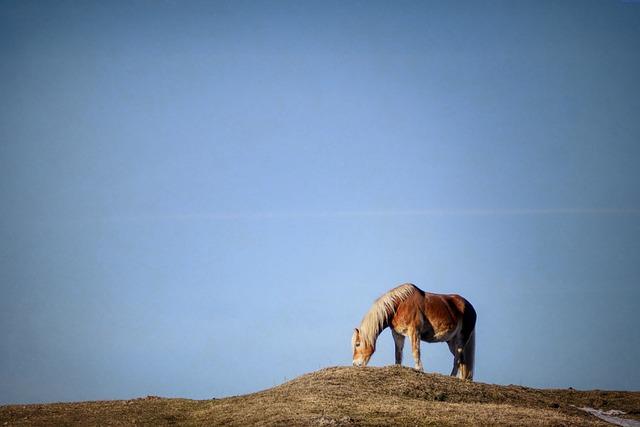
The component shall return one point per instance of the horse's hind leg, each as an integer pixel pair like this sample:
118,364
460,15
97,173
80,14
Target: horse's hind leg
453,348
399,342
462,349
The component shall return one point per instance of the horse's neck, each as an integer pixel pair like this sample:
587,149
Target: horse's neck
370,328
372,337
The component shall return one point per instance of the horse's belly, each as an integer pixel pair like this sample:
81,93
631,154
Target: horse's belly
429,335
440,335
429,338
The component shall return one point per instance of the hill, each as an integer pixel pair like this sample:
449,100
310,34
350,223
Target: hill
347,396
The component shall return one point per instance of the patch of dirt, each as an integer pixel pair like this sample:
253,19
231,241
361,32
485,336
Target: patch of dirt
346,396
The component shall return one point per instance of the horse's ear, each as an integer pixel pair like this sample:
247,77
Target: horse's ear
357,331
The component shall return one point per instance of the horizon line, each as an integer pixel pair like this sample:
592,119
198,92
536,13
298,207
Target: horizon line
266,215
410,212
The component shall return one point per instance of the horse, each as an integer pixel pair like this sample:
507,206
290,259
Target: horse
419,315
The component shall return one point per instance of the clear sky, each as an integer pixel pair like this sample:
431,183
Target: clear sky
202,199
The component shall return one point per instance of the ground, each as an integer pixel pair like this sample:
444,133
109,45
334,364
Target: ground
344,396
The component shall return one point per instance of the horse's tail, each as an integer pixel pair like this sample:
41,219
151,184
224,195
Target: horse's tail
469,349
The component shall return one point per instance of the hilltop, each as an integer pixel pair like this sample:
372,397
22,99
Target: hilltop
343,396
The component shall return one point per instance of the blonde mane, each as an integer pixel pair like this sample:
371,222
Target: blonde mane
382,309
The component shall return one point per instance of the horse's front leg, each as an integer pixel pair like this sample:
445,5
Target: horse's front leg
414,336
399,342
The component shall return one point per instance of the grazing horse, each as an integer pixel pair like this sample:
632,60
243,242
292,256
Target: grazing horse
419,315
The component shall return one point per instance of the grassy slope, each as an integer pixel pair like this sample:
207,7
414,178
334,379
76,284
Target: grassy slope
346,396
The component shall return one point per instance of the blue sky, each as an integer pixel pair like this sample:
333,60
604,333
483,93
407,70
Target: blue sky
202,199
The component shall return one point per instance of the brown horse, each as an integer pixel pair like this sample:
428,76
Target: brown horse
419,315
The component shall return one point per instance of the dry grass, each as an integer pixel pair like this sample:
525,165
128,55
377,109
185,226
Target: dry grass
346,396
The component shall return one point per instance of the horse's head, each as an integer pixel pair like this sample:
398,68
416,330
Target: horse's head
362,350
